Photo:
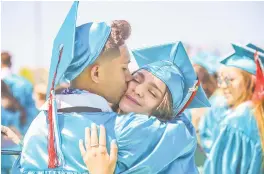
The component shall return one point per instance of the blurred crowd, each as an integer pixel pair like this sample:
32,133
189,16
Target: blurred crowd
22,95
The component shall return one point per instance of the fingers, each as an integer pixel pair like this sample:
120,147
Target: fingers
81,147
10,134
113,152
4,129
102,137
94,136
87,138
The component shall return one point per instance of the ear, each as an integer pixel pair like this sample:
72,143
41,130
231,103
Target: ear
95,73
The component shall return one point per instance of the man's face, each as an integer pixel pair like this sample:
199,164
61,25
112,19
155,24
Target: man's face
115,76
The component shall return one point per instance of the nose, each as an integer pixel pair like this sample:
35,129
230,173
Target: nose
222,83
139,90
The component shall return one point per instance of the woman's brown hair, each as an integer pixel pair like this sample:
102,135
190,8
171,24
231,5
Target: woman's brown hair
165,109
259,116
248,88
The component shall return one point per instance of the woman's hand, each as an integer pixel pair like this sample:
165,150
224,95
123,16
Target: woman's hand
96,157
11,134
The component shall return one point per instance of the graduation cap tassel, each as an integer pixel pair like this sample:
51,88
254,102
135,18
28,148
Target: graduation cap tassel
53,160
259,88
194,91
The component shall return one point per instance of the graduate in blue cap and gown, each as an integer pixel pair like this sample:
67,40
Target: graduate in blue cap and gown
209,124
51,143
22,90
238,146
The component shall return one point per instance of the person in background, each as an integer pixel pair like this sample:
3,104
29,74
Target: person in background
11,112
21,89
206,67
209,124
238,139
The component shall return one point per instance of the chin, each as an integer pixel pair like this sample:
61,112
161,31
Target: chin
125,107
230,102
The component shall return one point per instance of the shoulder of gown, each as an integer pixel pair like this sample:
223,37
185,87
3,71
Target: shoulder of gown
209,123
148,139
237,149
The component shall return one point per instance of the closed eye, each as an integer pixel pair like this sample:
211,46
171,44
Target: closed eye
152,93
135,80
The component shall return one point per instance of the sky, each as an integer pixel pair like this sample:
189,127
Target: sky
28,28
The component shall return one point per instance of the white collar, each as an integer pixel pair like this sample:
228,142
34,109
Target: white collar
80,100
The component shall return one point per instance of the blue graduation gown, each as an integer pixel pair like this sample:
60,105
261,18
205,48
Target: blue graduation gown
8,118
22,90
237,149
145,144
209,124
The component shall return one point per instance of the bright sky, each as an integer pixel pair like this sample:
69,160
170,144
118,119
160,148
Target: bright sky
28,28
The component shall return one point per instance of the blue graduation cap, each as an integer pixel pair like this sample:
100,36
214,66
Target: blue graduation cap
243,58
75,48
207,61
255,47
171,64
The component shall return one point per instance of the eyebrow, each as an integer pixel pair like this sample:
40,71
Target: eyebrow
141,75
155,86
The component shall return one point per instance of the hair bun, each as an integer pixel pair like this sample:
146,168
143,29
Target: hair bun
120,32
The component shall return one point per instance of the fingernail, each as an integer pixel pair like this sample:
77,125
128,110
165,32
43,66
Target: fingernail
113,141
93,125
80,141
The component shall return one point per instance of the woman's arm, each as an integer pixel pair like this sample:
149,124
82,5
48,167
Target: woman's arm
10,134
95,155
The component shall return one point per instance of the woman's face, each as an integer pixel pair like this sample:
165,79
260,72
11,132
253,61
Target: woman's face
231,82
145,92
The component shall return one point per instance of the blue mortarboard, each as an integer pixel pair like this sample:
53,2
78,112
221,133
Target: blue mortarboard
171,64
255,47
79,47
243,58
208,61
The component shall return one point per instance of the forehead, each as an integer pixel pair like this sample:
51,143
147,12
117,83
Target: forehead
230,71
150,78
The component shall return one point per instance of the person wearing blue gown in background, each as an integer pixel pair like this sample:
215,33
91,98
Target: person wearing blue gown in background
206,66
10,114
22,90
94,58
238,141
209,124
